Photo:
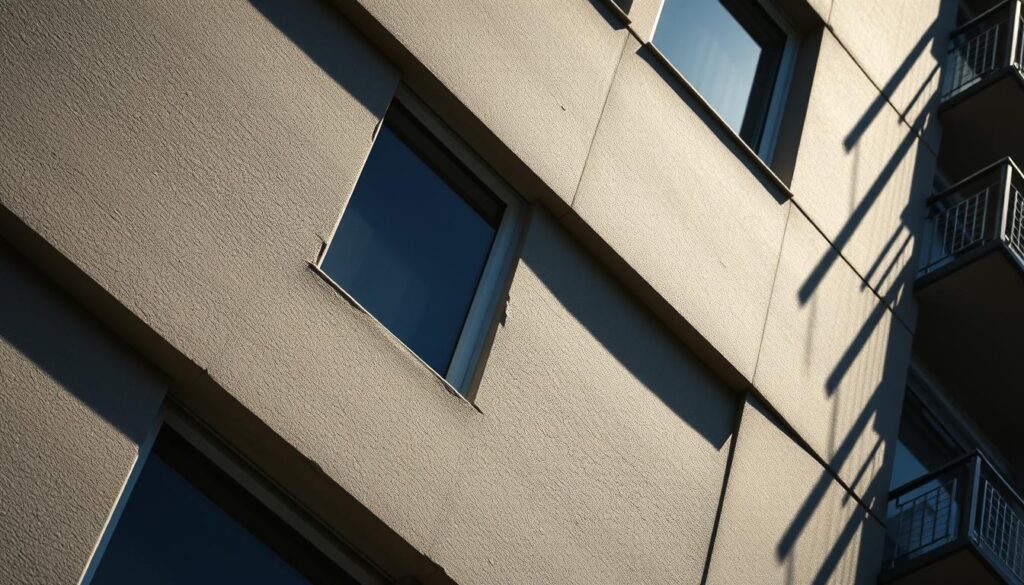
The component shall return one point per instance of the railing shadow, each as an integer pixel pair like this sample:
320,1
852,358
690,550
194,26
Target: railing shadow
891,277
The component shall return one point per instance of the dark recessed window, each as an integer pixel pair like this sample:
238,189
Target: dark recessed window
415,244
732,52
923,444
187,522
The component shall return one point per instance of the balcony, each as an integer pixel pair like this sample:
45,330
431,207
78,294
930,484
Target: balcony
970,292
983,91
960,524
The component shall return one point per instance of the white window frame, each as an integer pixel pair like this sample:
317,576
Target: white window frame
780,91
486,300
262,488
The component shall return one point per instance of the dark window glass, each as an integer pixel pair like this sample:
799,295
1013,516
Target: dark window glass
187,523
414,238
922,446
730,50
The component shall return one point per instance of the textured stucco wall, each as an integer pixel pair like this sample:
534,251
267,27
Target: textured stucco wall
536,75
212,149
791,523
675,198
863,176
834,362
191,158
74,406
603,442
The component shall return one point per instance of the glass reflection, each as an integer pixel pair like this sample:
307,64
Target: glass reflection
186,522
730,51
410,248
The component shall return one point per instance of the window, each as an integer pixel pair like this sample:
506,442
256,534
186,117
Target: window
923,444
185,520
736,55
425,240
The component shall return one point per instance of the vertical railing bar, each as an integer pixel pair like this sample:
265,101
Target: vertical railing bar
1004,189
1014,22
990,515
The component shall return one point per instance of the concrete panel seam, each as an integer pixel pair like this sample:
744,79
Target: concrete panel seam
740,407
788,428
752,156
917,132
600,118
846,261
771,295
625,18
618,11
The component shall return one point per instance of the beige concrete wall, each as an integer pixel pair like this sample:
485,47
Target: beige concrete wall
674,197
901,47
789,523
863,177
74,406
176,151
834,363
602,447
210,155
536,76
191,158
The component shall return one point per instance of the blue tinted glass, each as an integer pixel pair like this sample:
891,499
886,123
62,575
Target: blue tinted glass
171,533
906,466
706,43
410,250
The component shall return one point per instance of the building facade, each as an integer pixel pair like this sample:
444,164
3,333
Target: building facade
375,291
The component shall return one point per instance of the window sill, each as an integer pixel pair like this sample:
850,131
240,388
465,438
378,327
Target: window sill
338,288
752,156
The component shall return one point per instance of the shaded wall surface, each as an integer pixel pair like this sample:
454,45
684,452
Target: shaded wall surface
186,162
75,404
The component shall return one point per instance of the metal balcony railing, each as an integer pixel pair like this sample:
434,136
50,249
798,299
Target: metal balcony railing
992,41
964,503
986,207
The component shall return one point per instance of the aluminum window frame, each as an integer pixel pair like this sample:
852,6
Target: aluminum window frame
772,123
263,489
483,309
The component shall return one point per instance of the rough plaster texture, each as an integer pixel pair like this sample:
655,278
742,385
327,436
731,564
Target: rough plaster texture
901,46
603,441
161,146
670,193
335,384
643,15
862,176
536,76
789,524
141,166
191,158
581,467
74,405
834,364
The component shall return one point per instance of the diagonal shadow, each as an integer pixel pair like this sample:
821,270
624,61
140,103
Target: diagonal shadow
886,266
69,346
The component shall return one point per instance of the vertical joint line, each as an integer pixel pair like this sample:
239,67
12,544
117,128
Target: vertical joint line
600,117
741,406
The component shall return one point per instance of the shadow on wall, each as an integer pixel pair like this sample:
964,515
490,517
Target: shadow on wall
902,238
49,330
634,337
312,25
639,342
876,412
